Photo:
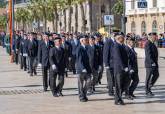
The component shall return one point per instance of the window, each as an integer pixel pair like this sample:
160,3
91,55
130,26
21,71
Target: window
133,4
154,3
154,26
133,27
143,27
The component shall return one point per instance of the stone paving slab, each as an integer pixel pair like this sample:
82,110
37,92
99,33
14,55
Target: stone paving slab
24,94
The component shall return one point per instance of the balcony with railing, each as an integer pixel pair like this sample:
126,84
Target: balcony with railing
153,10
162,10
131,12
142,11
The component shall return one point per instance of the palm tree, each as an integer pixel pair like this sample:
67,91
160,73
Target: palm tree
81,2
34,12
76,18
40,8
118,7
3,21
21,15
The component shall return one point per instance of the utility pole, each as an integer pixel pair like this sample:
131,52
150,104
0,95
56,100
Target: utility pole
11,25
123,17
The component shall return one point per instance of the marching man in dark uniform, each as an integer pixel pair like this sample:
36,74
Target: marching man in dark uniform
32,53
24,51
43,58
100,44
83,69
120,68
57,68
133,67
95,61
68,52
151,63
109,66
75,43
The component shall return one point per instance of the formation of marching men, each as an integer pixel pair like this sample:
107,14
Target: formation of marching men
87,56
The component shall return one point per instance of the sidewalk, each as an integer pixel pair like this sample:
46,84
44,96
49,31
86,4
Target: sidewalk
22,94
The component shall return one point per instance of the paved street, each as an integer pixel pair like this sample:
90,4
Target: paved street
22,94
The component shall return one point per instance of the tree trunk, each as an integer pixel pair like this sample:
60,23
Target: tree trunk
65,20
90,16
76,18
45,25
53,23
70,19
23,25
83,17
56,20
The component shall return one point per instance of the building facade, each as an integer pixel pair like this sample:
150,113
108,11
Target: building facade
150,19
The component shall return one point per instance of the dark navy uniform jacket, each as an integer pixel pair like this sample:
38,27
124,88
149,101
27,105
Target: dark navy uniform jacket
94,53
57,57
33,48
151,54
82,60
24,46
43,52
108,53
120,58
132,59
74,46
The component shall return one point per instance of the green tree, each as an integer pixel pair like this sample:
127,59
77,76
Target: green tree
3,3
3,21
22,15
118,7
55,6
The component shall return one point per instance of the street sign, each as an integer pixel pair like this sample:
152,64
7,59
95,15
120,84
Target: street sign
142,4
108,20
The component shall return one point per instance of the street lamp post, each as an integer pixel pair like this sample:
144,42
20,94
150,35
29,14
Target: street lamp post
123,17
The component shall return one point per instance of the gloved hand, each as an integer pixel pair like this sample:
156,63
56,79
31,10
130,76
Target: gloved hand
39,65
54,67
131,71
126,69
100,68
84,71
70,58
107,67
153,65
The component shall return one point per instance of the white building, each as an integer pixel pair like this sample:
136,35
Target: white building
150,19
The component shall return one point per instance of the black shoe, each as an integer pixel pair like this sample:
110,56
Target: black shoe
90,91
86,98
119,103
35,73
31,74
149,94
94,89
55,95
28,72
111,94
132,95
83,100
100,82
60,94
45,89
74,72
24,69
129,97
